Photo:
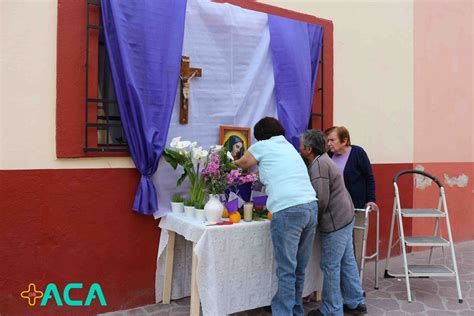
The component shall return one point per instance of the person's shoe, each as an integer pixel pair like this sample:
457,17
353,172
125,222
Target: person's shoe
361,309
315,312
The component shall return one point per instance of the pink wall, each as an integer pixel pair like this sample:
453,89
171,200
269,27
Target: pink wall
443,65
444,109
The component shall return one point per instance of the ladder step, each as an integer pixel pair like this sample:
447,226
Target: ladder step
426,241
421,212
429,270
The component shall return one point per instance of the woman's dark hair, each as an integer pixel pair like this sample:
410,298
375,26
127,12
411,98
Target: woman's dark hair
234,140
268,127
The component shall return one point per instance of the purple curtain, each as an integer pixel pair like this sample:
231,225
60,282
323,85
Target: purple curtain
144,40
295,50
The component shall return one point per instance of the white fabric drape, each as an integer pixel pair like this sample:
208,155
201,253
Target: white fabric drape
232,46
236,269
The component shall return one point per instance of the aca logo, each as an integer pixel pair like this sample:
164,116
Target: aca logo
51,295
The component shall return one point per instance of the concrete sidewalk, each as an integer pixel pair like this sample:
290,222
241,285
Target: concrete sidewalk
433,296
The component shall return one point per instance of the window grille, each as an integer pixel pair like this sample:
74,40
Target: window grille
107,124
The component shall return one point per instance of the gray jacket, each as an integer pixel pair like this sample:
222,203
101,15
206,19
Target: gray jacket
335,207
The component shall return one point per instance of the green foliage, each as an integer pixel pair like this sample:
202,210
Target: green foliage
177,198
188,203
176,159
184,159
198,191
199,205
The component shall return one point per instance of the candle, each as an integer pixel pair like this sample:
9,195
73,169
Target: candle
248,211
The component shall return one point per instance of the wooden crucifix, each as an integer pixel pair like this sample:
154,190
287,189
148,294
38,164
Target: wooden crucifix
185,76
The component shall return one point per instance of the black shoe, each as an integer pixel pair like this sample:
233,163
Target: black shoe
315,312
361,309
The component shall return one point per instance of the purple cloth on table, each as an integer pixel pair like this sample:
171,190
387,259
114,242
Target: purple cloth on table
232,206
243,190
295,48
144,40
260,200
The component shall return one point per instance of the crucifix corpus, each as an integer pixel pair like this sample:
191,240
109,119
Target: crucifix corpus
185,76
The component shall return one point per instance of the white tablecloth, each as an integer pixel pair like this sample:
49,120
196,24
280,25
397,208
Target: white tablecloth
235,271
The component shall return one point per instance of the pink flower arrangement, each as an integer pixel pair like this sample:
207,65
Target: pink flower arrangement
235,177
215,171
220,172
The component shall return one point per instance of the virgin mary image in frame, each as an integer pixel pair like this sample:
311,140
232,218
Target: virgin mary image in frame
235,139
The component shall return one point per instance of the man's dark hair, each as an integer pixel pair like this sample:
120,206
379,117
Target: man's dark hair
268,127
316,140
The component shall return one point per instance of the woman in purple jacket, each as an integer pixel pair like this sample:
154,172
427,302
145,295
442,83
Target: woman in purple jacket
354,165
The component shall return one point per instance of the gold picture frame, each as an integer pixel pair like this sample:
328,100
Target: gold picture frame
236,139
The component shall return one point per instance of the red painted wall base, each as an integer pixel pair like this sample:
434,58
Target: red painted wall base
75,226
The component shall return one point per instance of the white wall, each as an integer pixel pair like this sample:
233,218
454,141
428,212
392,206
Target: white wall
373,71
28,90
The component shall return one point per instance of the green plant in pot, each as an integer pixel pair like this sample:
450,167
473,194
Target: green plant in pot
199,205
189,208
177,198
199,211
177,202
189,203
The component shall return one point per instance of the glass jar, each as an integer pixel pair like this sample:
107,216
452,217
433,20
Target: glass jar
248,211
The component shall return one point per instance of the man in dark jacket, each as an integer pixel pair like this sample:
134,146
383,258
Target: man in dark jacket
336,223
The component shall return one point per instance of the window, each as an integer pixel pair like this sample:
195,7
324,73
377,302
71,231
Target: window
104,132
107,132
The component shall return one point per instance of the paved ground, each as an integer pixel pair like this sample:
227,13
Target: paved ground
432,297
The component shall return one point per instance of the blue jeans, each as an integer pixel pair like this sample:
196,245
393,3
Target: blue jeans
340,272
293,231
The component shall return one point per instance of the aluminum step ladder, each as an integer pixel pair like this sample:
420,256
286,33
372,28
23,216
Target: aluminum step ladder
364,227
437,240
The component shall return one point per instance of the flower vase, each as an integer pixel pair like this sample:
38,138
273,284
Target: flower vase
213,209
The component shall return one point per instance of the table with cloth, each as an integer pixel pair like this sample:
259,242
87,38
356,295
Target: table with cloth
232,268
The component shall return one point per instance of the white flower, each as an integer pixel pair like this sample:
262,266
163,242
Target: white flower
193,144
182,145
175,141
216,148
199,153
229,155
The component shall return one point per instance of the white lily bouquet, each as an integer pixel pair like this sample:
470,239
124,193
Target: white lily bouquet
187,155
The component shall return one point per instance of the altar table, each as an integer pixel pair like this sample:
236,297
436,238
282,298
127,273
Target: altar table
226,269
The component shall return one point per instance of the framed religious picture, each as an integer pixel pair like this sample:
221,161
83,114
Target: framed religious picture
235,139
